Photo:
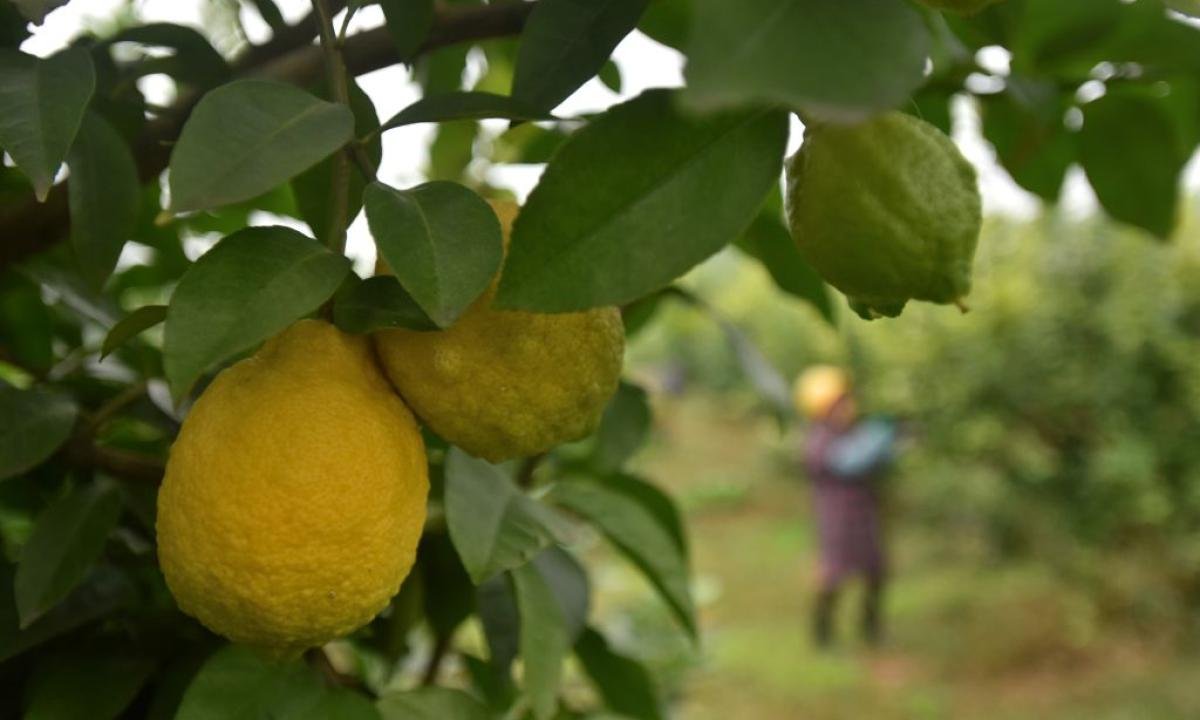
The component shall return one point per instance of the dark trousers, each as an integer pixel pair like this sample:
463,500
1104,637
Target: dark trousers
870,621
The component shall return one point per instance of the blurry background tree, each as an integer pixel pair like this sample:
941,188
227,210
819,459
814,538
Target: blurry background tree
1057,421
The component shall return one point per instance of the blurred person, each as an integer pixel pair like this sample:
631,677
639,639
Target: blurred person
845,456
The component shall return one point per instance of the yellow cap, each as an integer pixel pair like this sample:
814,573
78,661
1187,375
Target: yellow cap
818,388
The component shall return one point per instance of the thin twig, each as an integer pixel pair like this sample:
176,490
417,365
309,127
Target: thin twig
318,660
116,404
528,467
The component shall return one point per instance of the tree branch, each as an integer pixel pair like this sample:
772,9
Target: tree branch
30,227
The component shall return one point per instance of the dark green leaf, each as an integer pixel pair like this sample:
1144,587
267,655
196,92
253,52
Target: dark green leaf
663,192
527,143
131,325
441,240
770,242
568,580
250,286
1025,126
625,684
68,537
1187,7
269,12
238,684
493,524
449,596
464,105
105,591
103,193
623,428
545,641
313,188
33,424
408,22
501,622
668,22
431,703
25,323
248,136
1131,153
194,61
41,106
637,527
565,43
86,684
376,303
610,75
36,10
835,60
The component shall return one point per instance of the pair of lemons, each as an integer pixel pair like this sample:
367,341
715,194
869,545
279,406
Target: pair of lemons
295,494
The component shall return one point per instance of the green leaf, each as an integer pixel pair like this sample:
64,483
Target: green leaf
441,240
568,580
623,428
1025,126
625,685
527,144
248,136
194,61
269,12
250,286
105,591
545,638
449,595
634,199
376,303
1130,150
835,60
565,43
668,22
1187,7
408,22
620,507
313,188
68,537
431,703
493,524
103,193
33,424
41,106
87,684
36,10
501,622
610,75
131,325
25,324
464,105
237,684
770,242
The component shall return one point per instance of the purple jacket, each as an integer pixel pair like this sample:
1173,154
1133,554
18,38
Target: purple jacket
844,467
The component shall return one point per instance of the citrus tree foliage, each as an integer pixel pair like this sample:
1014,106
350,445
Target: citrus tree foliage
100,359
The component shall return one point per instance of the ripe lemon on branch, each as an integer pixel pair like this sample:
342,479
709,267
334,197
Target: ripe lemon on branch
294,495
502,384
886,211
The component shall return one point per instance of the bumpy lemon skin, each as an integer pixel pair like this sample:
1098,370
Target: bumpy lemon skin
886,211
502,384
294,496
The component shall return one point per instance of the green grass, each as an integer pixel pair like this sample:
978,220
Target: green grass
967,638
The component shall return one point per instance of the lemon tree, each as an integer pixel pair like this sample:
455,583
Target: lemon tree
243,476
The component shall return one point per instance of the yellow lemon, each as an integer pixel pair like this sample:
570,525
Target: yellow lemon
503,384
294,495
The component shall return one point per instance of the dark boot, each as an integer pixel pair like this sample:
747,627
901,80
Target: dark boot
822,627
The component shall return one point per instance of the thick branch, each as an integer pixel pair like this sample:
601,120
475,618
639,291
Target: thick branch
30,227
